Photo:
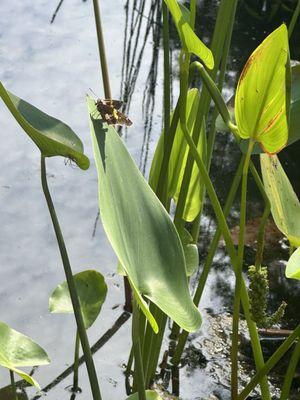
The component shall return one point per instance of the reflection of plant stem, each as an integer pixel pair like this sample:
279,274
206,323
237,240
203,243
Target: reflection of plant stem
294,19
139,370
101,46
239,277
286,387
76,363
272,361
72,288
13,385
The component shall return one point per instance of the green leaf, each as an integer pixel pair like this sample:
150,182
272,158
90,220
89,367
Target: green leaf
18,350
150,395
262,101
52,137
285,206
140,230
178,161
91,289
189,39
293,266
190,249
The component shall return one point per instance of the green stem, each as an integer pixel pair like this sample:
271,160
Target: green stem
258,356
13,385
72,288
139,370
290,373
239,277
76,363
272,361
102,53
264,218
294,19
209,259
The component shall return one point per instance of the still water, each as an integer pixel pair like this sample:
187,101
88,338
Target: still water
53,66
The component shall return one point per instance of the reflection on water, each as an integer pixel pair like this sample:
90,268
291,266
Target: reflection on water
52,66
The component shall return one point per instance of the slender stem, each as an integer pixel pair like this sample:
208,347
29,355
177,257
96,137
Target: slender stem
239,277
290,373
257,352
264,218
72,288
76,363
294,19
272,361
209,259
139,370
102,54
13,384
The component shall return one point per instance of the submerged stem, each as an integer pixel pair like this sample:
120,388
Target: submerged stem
71,285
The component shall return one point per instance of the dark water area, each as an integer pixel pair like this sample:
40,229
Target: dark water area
133,34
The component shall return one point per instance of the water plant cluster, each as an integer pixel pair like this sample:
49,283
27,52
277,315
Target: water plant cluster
153,226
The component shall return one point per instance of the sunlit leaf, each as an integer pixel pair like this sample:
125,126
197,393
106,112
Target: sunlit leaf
293,266
18,350
150,395
178,160
91,289
285,206
190,249
53,137
140,230
262,102
189,39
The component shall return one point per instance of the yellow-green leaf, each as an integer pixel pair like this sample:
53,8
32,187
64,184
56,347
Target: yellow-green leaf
293,266
262,97
150,395
189,39
285,206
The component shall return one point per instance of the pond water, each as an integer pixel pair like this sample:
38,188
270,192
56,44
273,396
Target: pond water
53,66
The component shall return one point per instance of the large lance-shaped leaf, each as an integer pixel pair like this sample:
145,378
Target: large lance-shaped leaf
150,395
53,137
190,250
178,160
18,350
262,97
140,230
293,266
285,206
189,39
91,289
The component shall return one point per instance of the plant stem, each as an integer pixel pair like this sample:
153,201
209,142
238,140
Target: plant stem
239,277
76,363
72,288
209,259
288,379
294,19
139,370
13,385
102,54
272,361
257,352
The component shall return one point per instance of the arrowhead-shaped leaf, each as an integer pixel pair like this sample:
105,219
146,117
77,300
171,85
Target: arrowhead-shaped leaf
150,395
52,137
91,289
189,39
293,266
285,206
262,97
140,230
